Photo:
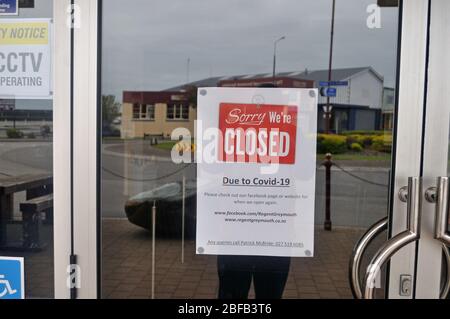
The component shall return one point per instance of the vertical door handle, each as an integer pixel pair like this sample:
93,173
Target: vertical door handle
442,205
411,234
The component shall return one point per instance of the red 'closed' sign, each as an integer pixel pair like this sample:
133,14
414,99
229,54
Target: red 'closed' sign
252,133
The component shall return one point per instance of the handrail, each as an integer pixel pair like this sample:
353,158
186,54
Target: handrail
399,241
357,253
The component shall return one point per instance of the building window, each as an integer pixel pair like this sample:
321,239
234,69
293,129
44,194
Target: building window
390,99
143,112
136,112
150,112
177,112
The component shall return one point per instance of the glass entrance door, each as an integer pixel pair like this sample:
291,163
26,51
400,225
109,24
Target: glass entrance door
33,102
417,250
155,55
100,101
26,146
379,86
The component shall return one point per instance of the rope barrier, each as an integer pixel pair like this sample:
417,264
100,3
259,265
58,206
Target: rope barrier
359,177
146,180
187,165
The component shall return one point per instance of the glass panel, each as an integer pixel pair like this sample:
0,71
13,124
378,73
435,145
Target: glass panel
448,163
26,153
232,44
150,112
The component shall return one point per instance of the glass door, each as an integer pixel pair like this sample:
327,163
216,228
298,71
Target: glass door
417,250
151,68
33,104
371,73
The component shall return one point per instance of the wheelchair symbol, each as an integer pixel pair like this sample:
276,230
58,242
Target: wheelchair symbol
7,289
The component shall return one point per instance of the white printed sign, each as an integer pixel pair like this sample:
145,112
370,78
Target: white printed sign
256,166
25,58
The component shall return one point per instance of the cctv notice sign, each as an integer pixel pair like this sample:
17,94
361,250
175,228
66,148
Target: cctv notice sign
256,166
25,58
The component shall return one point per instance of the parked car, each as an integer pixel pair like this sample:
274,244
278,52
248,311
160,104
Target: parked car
168,200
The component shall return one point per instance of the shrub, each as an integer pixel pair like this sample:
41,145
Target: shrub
31,135
361,132
368,140
334,144
350,139
382,143
14,133
362,140
356,147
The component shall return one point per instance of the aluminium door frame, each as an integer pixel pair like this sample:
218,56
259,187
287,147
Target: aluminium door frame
61,147
421,141
75,149
408,131
436,146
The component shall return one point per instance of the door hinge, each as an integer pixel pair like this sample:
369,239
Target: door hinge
74,279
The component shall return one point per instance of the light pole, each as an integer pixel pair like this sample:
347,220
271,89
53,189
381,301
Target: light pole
275,56
330,65
188,70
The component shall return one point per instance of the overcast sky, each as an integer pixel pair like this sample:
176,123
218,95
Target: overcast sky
146,44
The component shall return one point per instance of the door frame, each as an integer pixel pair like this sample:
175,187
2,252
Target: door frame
62,226
76,141
407,144
412,144
436,146
422,132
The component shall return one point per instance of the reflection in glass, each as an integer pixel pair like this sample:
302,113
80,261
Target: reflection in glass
26,168
151,71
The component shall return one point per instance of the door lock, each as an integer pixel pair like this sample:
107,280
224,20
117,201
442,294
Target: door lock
431,194
405,285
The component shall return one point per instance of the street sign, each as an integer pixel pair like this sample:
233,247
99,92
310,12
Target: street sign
9,7
12,282
333,83
328,92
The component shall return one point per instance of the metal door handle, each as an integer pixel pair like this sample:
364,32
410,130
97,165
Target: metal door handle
411,234
412,195
442,204
360,248
358,251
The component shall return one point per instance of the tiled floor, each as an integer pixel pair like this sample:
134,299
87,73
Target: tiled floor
39,266
127,265
127,262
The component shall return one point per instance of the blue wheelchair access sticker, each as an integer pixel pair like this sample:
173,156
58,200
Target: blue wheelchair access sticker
9,7
11,278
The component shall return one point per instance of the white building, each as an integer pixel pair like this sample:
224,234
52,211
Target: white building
357,106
